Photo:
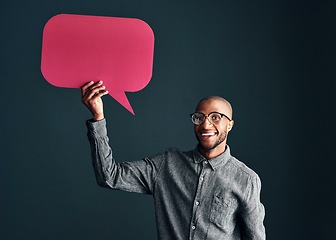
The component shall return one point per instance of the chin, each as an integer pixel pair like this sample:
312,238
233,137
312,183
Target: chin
207,148
210,147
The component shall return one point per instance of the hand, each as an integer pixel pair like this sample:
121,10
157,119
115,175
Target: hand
91,97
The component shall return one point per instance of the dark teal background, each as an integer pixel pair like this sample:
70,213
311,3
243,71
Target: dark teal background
275,62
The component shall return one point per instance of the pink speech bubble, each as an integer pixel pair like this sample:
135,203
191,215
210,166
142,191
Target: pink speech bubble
77,49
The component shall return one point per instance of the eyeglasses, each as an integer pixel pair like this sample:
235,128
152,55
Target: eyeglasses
214,117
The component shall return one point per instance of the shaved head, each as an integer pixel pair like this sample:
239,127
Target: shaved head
222,102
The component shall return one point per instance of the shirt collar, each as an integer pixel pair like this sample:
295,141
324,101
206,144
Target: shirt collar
213,162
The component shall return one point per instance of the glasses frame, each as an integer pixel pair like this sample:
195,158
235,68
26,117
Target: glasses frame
207,116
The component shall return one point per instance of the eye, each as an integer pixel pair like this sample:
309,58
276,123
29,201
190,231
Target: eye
215,117
199,117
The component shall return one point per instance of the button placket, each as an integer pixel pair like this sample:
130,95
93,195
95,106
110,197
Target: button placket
197,202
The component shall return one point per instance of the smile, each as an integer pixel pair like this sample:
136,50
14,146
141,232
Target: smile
208,134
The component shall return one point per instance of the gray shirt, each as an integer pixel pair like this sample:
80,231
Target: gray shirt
194,198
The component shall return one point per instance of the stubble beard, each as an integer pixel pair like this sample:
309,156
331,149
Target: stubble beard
221,138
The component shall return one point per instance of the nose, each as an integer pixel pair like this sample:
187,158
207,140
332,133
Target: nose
206,122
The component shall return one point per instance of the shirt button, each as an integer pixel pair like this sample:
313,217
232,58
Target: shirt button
193,227
197,203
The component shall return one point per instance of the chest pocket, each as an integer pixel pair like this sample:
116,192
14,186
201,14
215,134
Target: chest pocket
221,209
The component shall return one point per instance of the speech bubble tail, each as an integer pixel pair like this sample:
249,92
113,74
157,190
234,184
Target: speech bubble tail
121,98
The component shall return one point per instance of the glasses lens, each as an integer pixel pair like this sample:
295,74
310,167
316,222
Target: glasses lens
197,118
215,117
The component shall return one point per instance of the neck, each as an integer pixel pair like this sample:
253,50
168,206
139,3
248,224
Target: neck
212,153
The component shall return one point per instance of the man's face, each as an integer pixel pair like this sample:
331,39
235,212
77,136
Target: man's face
212,137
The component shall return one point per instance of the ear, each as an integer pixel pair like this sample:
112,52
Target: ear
230,125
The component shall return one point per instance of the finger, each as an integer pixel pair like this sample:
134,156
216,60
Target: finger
94,91
91,86
86,86
101,93
87,91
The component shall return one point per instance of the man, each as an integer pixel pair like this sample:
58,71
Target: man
204,193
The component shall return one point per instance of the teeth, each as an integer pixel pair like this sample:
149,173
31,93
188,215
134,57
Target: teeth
208,134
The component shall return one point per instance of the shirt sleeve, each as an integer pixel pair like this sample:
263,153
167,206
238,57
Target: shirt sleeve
253,213
136,176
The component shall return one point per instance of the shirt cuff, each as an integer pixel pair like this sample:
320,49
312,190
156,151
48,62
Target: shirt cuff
97,128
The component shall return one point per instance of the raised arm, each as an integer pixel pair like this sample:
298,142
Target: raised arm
136,176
